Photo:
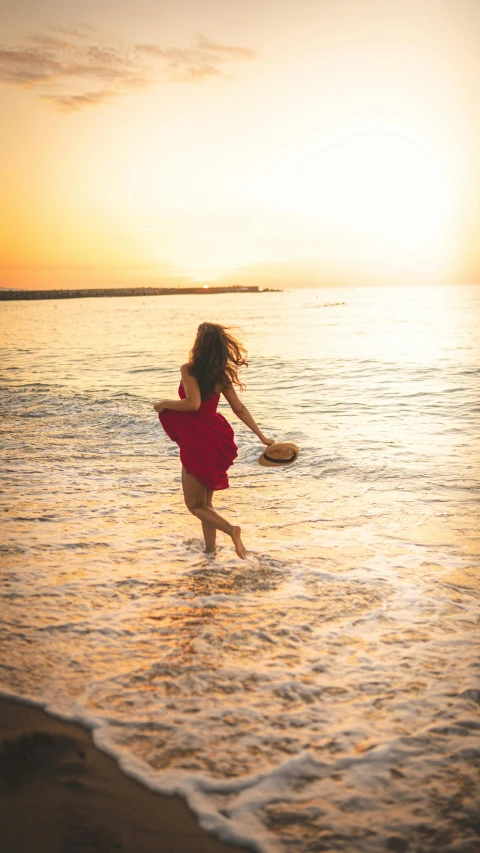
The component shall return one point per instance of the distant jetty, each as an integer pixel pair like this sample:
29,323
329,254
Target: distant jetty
7,295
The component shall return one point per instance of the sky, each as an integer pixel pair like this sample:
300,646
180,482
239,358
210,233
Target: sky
270,142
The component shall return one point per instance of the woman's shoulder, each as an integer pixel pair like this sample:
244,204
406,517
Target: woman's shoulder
186,374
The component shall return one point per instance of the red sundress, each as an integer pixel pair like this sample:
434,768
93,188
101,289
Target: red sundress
205,439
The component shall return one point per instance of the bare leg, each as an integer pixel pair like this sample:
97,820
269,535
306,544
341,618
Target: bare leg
209,531
195,494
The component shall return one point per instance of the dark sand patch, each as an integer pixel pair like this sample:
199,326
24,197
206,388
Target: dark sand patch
59,794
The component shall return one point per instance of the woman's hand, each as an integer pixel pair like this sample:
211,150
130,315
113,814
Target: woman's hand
267,441
159,407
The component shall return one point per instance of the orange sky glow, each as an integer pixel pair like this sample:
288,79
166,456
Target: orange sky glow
250,141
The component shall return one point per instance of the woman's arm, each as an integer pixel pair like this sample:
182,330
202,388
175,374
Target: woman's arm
242,412
193,398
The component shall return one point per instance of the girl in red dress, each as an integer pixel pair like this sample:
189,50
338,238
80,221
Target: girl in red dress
205,438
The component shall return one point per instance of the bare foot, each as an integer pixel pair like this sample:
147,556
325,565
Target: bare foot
236,535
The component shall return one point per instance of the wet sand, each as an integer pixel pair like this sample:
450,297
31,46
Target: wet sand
59,794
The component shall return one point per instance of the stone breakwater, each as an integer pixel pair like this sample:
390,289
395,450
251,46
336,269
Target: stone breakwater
7,295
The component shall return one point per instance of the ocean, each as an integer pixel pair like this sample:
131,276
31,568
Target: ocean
323,694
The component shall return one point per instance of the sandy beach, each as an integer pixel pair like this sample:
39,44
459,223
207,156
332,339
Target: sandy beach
59,794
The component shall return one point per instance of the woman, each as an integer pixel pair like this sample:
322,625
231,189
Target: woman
205,438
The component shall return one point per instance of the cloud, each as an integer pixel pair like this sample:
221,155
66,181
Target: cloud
202,50
50,61
203,58
47,41
226,50
73,103
78,30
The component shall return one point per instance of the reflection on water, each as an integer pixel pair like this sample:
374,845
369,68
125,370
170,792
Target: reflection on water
323,695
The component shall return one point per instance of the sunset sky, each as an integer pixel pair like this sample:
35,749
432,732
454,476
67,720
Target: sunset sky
271,142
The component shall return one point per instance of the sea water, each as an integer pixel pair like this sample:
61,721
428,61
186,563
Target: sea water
323,694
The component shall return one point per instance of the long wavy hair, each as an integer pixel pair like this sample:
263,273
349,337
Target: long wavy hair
215,359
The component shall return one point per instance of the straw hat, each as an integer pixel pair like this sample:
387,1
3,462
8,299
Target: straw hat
279,454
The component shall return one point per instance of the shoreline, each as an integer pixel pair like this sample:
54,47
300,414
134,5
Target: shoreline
59,792
84,293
